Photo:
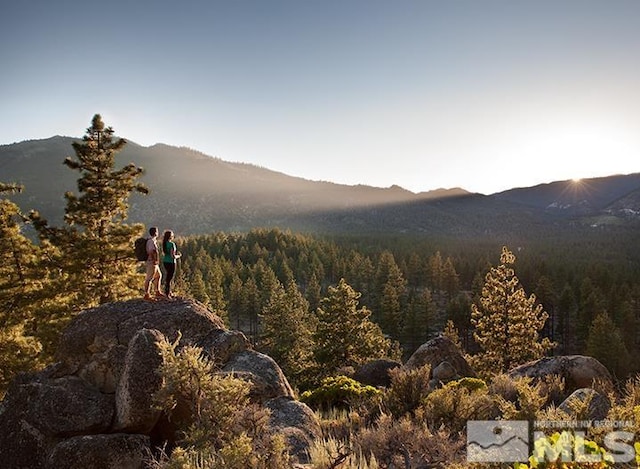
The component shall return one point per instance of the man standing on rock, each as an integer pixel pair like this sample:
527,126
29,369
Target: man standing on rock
154,275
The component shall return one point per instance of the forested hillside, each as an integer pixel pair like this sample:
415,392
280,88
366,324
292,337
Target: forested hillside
413,286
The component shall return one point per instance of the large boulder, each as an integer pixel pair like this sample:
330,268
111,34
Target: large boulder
586,404
297,423
95,344
439,350
40,410
220,345
140,379
577,371
262,372
376,372
115,451
94,406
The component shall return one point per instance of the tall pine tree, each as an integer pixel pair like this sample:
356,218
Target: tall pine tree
95,244
345,335
287,328
507,322
21,284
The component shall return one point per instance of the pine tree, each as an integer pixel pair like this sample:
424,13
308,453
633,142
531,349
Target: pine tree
287,329
418,321
507,322
391,288
95,245
22,281
605,343
345,336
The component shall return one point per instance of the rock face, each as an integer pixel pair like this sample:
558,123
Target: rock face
93,407
578,371
297,423
376,372
438,351
597,405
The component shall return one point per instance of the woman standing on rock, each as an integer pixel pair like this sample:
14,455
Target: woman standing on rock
169,260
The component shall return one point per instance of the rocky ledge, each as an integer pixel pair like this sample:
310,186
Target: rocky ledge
93,407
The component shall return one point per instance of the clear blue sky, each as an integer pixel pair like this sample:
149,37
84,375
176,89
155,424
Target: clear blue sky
482,94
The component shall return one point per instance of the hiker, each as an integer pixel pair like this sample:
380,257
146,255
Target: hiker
170,255
154,275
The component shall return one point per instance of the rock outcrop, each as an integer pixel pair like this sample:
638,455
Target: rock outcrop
586,404
577,371
376,372
437,351
93,407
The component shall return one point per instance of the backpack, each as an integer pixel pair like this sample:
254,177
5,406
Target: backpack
140,249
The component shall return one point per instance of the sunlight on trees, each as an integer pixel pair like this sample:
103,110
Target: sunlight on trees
507,322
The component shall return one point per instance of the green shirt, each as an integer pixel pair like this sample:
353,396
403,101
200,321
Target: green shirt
169,249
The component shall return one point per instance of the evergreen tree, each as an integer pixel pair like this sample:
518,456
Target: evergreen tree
22,281
313,293
507,322
434,269
418,321
287,329
236,300
459,312
451,332
198,288
95,245
345,336
605,343
391,288
450,279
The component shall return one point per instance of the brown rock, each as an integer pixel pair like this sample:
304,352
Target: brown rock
261,370
135,411
597,409
376,372
578,371
297,422
114,451
95,343
220,345
437,350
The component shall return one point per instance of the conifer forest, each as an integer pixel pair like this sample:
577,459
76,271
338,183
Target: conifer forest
321,305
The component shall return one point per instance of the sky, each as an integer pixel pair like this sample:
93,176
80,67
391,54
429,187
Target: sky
486,95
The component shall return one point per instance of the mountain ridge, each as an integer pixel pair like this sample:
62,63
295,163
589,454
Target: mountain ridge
196,193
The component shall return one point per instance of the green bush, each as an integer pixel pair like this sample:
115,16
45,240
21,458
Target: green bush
218,426
470,384
407,391
339,392
453,405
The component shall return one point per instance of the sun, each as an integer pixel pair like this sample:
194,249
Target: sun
576,180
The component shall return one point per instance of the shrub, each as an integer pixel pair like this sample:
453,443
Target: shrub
340,392
408,442
329,453
456,403
218,426
524,401
471,384
408,389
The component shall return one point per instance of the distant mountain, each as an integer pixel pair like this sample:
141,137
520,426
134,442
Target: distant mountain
581,197
195,193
